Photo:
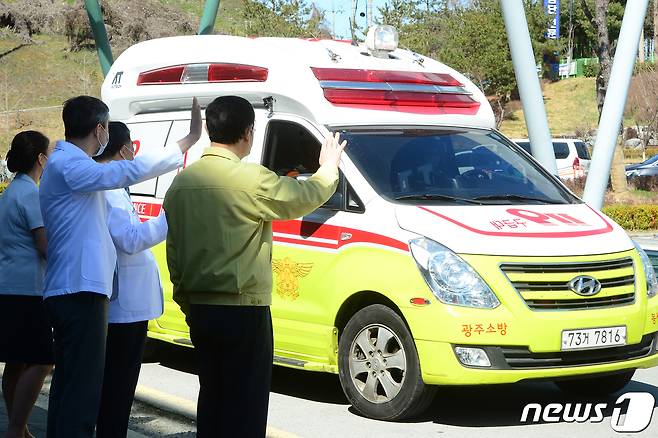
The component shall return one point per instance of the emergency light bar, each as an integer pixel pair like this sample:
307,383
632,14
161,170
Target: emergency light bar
203,73
381,40
403,88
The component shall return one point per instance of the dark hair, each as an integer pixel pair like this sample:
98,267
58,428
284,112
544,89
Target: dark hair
119,136
25,149
227,119
82,114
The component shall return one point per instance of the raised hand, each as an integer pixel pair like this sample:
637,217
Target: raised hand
332,149
196,125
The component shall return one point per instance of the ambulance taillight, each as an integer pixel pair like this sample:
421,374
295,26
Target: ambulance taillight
203,73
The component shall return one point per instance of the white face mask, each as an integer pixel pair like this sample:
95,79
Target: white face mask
101,145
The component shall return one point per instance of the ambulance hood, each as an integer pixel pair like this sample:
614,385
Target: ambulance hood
528,230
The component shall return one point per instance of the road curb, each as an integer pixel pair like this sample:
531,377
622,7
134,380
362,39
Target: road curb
186,408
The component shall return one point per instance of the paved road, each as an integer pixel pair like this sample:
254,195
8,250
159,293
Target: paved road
312,405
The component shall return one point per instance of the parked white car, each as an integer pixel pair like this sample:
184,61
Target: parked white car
571,155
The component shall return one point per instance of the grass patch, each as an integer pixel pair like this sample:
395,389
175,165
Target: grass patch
41,75
229,11
570,107
644,194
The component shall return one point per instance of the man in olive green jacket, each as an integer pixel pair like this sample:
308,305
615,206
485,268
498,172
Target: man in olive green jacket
219,252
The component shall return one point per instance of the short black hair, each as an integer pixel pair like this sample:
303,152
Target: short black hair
25,149
227,119
82,114
119,136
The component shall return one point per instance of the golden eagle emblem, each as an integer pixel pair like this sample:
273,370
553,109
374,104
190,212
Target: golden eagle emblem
287,273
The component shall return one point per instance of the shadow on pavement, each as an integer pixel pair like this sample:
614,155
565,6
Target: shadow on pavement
309,385
36,424
177,357
469,406
502,405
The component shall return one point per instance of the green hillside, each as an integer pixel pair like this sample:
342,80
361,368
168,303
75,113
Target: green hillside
570,107
228,11
35,78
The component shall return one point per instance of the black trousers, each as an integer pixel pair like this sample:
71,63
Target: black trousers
123,360
234,352
80,326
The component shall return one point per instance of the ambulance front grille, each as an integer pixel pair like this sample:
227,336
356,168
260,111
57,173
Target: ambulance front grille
522,357
545,286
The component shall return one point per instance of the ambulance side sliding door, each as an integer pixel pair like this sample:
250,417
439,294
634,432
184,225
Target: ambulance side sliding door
304,248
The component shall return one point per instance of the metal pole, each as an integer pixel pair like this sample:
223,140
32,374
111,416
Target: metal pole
615,100
207,23
525,70
369,12
100,35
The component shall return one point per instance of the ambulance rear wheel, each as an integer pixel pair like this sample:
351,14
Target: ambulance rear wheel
379,368
598,385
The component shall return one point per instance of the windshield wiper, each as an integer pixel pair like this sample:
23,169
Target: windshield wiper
512,197
436,197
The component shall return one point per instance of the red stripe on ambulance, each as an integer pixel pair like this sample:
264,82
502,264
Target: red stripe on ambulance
147,209
307,229
540,218
304,232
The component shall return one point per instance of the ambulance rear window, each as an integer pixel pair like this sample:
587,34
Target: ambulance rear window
467,166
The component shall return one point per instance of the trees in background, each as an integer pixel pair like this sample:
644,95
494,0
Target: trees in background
469,36
282,18
642,106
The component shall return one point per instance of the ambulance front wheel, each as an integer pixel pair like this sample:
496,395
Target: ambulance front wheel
379,368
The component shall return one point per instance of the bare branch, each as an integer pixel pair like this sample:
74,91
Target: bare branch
588,13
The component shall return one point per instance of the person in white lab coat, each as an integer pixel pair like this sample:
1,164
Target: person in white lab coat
137,295
82,257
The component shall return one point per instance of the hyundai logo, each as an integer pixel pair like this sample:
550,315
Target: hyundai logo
585,285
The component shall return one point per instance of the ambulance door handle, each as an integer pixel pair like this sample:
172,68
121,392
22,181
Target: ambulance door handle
345,236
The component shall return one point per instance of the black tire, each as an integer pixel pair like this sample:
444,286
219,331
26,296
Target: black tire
413,396
596,385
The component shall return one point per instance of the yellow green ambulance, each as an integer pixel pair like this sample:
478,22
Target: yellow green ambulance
447,256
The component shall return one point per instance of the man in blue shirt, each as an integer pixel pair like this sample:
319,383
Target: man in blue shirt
82,257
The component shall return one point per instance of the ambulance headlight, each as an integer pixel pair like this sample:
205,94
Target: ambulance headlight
649,272
382,39
450,278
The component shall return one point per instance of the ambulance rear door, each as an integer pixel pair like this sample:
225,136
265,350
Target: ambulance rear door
147,136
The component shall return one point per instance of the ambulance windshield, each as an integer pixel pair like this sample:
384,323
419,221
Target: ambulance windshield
456,165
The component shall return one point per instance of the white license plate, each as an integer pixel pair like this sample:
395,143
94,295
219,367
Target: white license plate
593,338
